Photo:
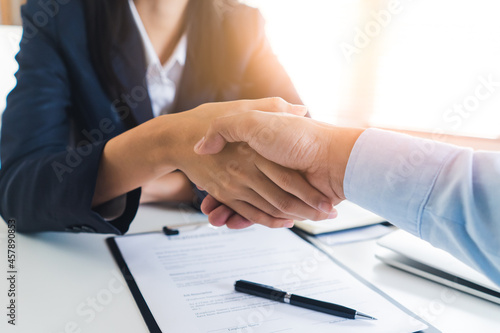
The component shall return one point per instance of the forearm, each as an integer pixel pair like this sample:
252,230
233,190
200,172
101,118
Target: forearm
133,159
340,142
392,175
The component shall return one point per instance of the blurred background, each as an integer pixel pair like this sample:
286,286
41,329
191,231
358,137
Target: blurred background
9,11
427,67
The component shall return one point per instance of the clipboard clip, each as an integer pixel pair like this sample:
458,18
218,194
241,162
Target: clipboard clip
174,230
170,232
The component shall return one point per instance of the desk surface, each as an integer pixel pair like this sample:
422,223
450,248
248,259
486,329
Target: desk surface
70,283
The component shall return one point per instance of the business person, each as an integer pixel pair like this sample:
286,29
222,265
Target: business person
96,113
445,194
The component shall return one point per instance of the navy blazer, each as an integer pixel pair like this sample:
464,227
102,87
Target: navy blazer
58,117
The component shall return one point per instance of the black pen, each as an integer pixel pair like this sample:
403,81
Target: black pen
278,295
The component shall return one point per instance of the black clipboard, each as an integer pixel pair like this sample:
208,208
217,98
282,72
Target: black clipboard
151,322
134,288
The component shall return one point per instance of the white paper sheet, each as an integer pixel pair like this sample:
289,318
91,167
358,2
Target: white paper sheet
354,235
188,283
349,216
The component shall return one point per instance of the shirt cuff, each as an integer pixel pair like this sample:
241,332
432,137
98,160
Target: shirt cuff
392,175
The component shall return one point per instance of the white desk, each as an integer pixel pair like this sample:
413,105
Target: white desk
60,273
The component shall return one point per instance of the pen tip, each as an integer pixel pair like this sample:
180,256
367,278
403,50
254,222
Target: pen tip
360,315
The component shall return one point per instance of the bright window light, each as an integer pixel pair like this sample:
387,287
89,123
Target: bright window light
423,65
439,69
306,35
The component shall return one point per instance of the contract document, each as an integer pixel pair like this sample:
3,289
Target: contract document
187,282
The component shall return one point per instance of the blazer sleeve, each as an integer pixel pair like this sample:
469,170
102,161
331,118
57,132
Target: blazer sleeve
45,184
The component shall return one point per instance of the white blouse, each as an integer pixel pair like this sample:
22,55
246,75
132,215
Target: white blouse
162,79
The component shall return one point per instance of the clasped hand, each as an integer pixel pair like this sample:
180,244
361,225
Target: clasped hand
246,188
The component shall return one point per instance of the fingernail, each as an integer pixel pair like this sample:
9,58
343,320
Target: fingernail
303,109
326,207
333,214
289,224
198,145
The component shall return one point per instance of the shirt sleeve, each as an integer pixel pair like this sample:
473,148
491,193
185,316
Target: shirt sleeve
446,195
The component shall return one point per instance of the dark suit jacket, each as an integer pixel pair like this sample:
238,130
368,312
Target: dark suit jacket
58,117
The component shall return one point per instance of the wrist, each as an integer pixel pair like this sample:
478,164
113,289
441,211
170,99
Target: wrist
161,137
340,144
173,139
131,160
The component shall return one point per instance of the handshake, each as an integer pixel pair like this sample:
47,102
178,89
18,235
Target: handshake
279,166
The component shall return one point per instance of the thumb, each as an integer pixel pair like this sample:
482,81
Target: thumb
211,146
222,130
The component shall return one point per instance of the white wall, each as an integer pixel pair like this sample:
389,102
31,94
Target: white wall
9,46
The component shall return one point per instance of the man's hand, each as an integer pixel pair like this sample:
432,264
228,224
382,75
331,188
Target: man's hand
320,151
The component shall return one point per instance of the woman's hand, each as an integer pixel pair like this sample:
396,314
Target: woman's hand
153,149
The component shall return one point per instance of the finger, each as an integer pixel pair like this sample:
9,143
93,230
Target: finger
238,222
294,183
283,204
264,204
209,204
255,215
243,127
234,128
272,104
220,215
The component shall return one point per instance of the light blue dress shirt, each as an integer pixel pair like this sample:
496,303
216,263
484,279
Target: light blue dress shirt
444,194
